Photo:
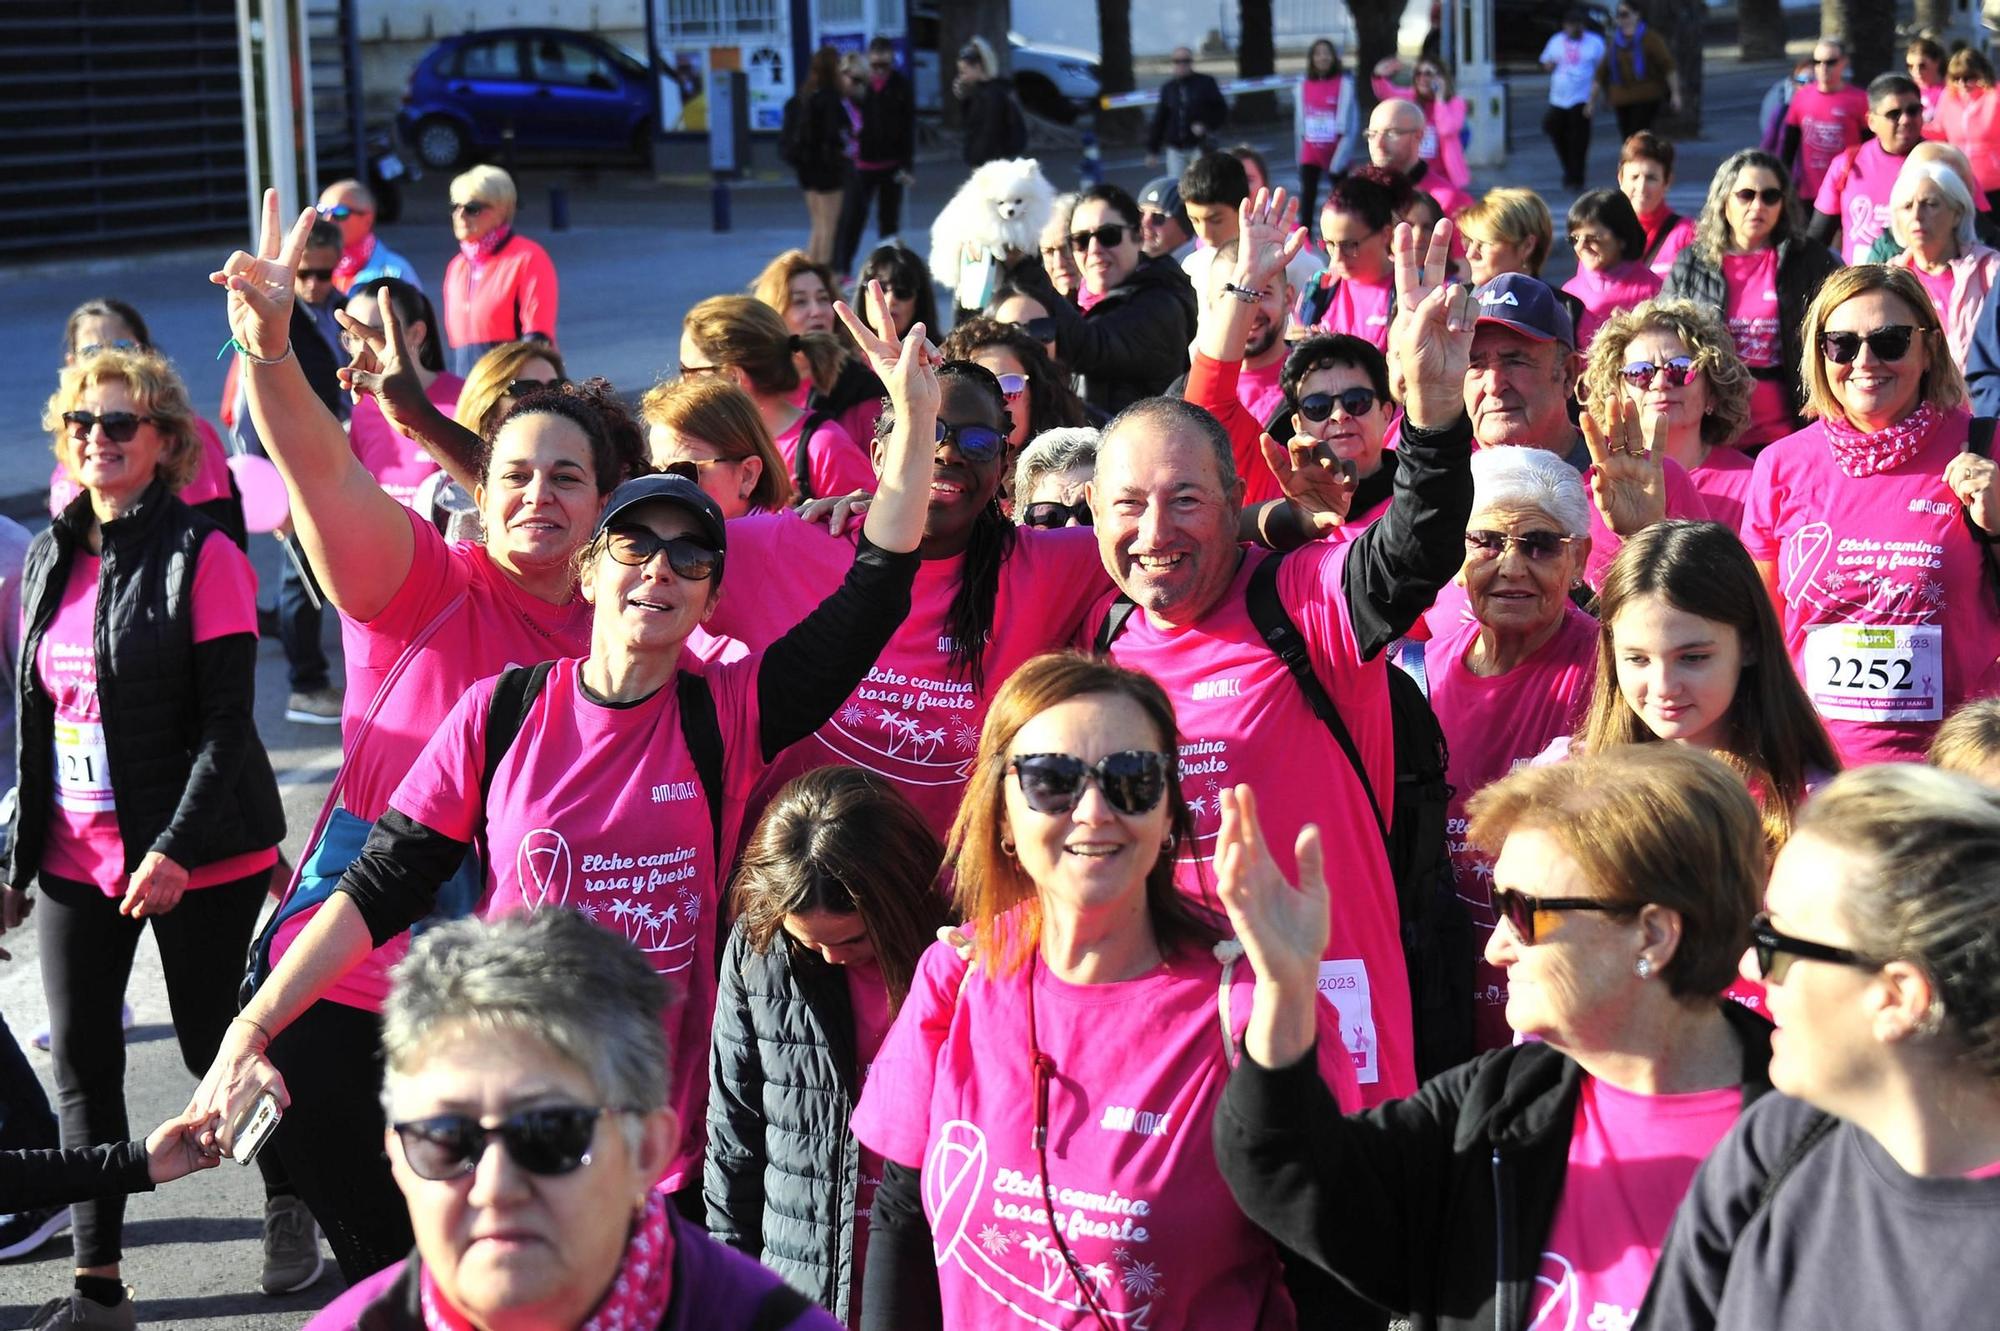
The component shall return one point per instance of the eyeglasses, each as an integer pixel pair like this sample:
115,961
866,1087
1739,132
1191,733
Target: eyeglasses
635,546
1587,240
1524,913
1678,372
976,443
89,349
1184,60
1538,546
340,212
119,426
315,274
471,208
1775,952
520,388
548,1142
1349,248
1907,111
1133,781
1042,327
1012,385
1050,513
1353,401
690,371
1889,344
1771,198
1375,134
1109,236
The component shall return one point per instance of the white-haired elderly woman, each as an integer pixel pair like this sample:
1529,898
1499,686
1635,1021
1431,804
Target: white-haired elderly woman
528,1119
1931,214
1050,476
1518,673
499,287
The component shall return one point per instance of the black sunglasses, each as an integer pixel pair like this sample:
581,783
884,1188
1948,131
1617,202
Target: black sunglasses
1524,912
119,426
1775,952
1050,513
1889,344
1042,327
1111,235
1353,401
975,443
1133,781
471,209
1679,372
520,388
687,557
548,1141
316,274
1538,546
89,349
1772,197
1907,111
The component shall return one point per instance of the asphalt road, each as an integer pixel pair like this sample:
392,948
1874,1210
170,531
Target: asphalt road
638,254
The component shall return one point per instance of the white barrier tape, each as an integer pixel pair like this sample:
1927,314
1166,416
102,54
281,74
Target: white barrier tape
1264,83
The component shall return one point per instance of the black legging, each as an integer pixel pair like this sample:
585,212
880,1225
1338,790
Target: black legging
330,1140
87,949
1309,175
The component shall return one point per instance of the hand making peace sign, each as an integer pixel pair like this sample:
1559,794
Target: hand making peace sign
260,284
1431,342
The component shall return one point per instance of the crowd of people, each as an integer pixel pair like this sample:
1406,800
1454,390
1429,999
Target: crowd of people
1283,772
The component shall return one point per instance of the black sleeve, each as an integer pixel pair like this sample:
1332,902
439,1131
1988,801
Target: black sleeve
1417,546
317,361
1156,133
1823,228
395,881
899,1290
732,1176
34,1180
1217,106
225,688
903,113
810,671
1788,150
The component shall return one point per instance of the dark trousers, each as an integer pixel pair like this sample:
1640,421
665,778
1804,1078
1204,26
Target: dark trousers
87,949
330,1140
1568,129
862,186
26,1121
299,624
1636,116
1309,178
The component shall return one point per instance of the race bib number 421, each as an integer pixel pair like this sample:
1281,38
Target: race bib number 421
1876,672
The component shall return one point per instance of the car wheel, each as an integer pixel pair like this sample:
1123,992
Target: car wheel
1039,97
440,143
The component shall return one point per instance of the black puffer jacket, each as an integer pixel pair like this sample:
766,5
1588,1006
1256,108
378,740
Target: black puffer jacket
1129,345
1802,265
783,1170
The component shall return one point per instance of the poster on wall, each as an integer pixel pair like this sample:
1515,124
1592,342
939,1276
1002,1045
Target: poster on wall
770,72
684,92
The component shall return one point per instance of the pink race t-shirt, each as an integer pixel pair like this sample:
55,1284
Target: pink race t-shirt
1631,1159
1491,726
1856,190
1938,286
399,465
1259,390
1888,614
1723,477
1679,236
1139,1069
1319,120
1828,124
915,719
1751,311
599,808
1360,308
868,995
211,475
84,843
1683,498
835,464
1603,294
1243,720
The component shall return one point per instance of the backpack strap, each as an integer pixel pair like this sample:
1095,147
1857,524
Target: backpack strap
703,736
1821,1127
1115,615
802,457
506,711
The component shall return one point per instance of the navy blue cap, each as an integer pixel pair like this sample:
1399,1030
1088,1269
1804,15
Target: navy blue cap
668,488
1163,194
1527,305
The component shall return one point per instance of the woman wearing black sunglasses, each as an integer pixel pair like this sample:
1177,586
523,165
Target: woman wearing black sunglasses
1044,1113
1535,1184
1874,1195
1752,260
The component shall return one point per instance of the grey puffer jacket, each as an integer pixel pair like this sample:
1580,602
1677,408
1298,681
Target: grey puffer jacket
782,1172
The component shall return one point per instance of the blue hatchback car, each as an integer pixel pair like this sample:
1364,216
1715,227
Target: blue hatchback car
552,88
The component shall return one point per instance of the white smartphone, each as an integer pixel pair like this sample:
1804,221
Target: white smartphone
256,1129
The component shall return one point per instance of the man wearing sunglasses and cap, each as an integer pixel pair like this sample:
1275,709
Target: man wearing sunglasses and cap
349,205
1165,231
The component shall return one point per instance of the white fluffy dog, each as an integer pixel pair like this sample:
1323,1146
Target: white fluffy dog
1003,206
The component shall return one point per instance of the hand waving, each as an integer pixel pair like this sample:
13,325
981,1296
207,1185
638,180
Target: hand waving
1318,485
1268,238
907,366
260,284
1431,341
1283,929
1627,482
1971,480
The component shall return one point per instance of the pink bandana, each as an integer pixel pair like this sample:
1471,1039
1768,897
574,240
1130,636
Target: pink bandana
638,1296
480,248
1861,454
353,258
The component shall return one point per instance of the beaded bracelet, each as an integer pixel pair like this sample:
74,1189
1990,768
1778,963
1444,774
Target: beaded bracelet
233,345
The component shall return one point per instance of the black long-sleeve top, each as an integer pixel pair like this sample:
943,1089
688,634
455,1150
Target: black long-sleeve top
34,1180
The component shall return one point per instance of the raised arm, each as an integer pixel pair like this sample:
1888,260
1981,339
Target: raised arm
385,366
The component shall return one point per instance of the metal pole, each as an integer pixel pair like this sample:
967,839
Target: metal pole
302,63
248,32
278,108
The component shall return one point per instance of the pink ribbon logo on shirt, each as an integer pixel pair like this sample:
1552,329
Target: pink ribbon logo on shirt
542,863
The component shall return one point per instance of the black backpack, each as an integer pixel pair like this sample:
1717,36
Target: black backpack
1435,926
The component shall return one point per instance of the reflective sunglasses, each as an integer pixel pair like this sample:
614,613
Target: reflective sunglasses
1042,327
1524,913
472,208
118,426
1775,952
316,274
1771,197
1355,401
975,443
688,558
1538,546
548,1142
340,212
1889,344
1110,236
1050,513
520,388
89,349
1679,372
1012,385
1133,781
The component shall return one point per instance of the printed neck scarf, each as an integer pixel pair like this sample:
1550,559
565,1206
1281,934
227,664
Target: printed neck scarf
353,258
481,248
638,1296
1862,454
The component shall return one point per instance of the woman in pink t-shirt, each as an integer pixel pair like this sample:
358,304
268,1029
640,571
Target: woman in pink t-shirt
1326,121
1969,116
1931,215
1871,526
1611,272
713,425
1044,1112
1543,1175
836,901
1357,291
803,292
398,463
1645,169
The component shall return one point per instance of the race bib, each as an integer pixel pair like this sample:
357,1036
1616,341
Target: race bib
1428,150
83,768
1344,983
1322,126
1876,672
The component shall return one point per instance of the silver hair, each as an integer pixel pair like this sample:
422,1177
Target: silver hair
1914,174
550,974
1530,478
1052,451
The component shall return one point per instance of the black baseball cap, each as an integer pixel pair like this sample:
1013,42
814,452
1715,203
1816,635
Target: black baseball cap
669,487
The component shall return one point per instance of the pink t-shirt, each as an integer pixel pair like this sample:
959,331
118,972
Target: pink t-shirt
599,808
1939,286
1724,481
1360,308
1139,1069
1683,501
1243,719
399,465
1887,611
1631,1159
211,475
1828,124
868,994
84,844
494,626
1604,294
835,464
1491,726
1319,120
1258,389
1751,311
1679,236
1856,190
859,422
914,719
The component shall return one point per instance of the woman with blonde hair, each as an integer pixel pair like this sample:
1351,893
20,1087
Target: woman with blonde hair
500,286
716,427
501,378
1507,231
